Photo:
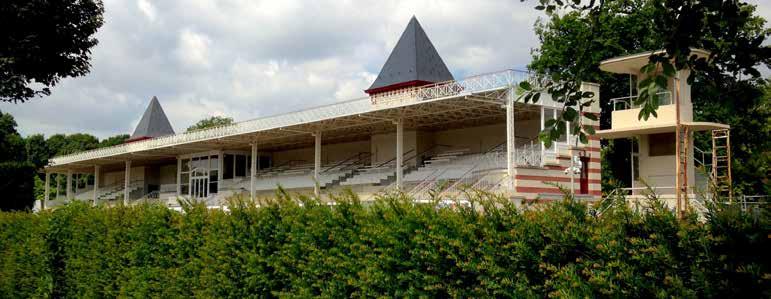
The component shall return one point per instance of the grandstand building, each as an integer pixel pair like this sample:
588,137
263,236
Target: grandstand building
418,129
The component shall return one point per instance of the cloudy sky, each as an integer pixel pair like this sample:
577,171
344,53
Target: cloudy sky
247,59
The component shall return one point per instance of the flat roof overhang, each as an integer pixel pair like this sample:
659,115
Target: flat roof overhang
631,64
437,114
656,129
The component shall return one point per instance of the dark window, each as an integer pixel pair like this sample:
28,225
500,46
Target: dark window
661,144
228,167
240,166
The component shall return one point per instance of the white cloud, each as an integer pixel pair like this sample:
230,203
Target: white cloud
147,9
247,59
193,49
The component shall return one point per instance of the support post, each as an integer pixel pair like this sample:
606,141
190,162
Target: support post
179,177
127,183
47,195
253,176
97,171
317,163
58,185
399,152
510,140
69,185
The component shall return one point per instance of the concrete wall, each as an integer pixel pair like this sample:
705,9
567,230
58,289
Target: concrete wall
329,152
116,177
659,171
383,146
476,139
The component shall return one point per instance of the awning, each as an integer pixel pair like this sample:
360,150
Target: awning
656,129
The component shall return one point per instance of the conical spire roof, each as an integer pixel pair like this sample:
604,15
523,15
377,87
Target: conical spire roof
413,62
153,123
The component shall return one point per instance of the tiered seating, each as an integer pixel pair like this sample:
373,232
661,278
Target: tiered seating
299,176
371,175
450,164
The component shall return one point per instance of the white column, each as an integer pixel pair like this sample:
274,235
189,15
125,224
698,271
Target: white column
58,185
317,163
543,146
253,178
179,176
69,184
399,152
97,172
47,195
127,183
510,140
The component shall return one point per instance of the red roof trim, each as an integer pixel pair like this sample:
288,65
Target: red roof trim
140,138
387,88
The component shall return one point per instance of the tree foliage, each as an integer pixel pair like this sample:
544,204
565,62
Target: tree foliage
299,247
211,122
42,42
675,26
574,43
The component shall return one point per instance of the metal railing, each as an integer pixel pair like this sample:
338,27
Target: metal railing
478,83
529,155
627,102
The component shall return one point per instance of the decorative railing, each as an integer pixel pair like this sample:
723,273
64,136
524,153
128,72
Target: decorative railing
529,155
627,102
466,86
474,84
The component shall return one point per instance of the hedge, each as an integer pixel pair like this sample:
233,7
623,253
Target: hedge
295,246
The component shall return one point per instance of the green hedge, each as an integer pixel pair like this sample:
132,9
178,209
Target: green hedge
391,248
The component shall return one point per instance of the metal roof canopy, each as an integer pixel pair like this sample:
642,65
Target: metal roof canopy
475,100
631,64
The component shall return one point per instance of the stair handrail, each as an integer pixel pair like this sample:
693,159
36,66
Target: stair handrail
704,155
354,156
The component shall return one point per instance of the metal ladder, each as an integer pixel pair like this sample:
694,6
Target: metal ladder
721,163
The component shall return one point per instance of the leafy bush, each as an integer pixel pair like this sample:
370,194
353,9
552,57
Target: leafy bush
296,246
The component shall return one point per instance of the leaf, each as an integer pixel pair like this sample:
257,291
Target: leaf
589,129
525,85
582,137
590,116
569,114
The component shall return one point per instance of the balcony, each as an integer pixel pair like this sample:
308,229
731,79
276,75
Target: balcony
626,114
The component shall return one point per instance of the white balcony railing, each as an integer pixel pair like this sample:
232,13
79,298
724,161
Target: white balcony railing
627,102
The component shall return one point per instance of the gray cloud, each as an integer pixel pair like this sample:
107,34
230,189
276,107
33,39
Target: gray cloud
247,59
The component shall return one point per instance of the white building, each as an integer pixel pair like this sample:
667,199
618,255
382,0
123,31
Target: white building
418,130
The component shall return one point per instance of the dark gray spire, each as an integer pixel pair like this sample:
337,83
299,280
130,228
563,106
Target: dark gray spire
413,61
153,123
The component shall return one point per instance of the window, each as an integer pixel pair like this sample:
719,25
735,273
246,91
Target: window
228,167
240,166
661,144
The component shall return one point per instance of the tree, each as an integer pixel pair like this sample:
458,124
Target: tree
42,42
573,44
37,150
114,140
214,121
11,143
717,26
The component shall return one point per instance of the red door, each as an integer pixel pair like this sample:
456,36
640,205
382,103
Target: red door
584,175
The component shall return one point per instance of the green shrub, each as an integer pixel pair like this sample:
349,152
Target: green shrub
296,246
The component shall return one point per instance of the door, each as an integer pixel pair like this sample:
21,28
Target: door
199,184
584,175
